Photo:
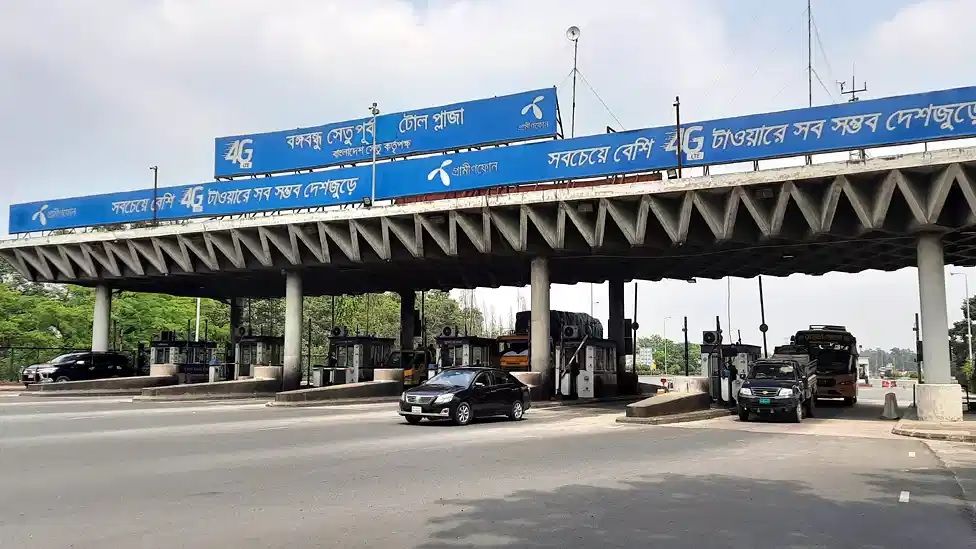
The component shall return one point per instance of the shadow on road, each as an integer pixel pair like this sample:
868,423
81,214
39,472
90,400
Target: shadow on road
698,512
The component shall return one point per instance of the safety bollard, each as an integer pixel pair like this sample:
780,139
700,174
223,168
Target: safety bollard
891,407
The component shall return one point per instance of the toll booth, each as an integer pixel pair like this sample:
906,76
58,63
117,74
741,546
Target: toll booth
352,358
586,367
724,364
192,358
258,350
456,350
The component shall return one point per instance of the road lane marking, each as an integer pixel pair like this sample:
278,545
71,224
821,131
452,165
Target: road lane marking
903,497
911,454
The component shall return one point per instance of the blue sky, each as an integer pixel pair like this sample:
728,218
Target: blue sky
130,84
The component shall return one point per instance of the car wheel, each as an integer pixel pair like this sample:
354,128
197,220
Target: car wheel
462,414
849,401
797,415
743,415
62,379
413,420
517,411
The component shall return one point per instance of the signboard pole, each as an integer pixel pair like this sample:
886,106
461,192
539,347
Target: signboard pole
374,111
155,170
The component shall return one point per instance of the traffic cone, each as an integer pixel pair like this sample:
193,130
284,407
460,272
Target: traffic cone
891,407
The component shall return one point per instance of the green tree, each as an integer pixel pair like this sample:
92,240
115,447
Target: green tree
674,358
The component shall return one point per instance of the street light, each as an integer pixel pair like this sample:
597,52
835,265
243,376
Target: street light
664,342
373,111
969,321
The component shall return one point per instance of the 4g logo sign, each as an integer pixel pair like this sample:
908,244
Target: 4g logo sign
692,142
239,153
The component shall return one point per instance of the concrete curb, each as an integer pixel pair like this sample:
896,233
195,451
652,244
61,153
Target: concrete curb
335,402
83,393
376,400
190,398
676,418
933,435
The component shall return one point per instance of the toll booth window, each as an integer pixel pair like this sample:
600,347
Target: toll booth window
452,356
599,360
247,354
477,355
161,355
343,357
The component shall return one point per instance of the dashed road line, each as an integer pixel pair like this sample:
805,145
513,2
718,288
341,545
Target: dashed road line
904,496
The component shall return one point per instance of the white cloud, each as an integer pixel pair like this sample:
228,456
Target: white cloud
101,90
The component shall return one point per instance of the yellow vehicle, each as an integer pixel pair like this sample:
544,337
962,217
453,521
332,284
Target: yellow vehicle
835,350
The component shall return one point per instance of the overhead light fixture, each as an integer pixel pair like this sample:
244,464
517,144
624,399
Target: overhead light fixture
584,207
672,173
367,202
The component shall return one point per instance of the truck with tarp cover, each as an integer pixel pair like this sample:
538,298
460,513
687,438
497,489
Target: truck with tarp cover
514,347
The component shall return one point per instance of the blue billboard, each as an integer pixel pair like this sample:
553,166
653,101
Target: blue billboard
905,119
504,119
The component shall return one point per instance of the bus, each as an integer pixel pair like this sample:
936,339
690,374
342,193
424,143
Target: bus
835,350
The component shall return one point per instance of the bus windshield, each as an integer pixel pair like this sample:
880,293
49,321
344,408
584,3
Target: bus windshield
833,362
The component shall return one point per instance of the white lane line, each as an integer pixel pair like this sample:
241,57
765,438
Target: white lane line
911,454
903,498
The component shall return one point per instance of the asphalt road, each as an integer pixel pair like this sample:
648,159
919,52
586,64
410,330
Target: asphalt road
110,473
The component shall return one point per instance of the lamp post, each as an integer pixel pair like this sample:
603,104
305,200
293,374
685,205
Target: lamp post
373,110
664,343
969,321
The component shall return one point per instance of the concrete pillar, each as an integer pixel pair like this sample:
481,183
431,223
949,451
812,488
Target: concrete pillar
939,398
539,329
236,322
292,374
408,302
102,319
615,324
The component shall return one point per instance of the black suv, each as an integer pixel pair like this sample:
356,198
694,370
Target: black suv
780,386
79,366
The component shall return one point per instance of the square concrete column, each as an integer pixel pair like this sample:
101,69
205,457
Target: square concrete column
102,319
939,398
539,328
292,373
615,324
236,322
408,302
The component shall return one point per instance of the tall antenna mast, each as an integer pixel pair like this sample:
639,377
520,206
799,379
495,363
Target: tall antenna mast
810,52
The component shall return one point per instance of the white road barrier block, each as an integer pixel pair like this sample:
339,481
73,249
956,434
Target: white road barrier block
891,407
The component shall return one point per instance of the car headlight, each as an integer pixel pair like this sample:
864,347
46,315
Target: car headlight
745,391
403,396
444,399
786,392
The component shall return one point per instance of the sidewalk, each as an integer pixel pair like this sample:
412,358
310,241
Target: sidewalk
952,431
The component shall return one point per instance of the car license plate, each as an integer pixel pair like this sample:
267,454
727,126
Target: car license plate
764,401
416,409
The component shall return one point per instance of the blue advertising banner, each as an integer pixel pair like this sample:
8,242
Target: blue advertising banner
504,119
906,119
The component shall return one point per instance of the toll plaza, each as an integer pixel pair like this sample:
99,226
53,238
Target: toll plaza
192,359
463,350
257,350
348,226
353,358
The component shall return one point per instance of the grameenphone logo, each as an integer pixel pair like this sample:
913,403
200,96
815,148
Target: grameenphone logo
534,108
442,173
41,215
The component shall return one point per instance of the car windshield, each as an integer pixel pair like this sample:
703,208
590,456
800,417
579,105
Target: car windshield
455,378
66,359
831,362
772,371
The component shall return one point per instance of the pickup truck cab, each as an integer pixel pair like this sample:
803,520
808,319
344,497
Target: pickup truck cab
778,386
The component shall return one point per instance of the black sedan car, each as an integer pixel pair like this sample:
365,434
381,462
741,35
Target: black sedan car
79,366
461,394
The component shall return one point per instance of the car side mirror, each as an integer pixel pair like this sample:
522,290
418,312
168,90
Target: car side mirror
480,385
742,376
80,362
